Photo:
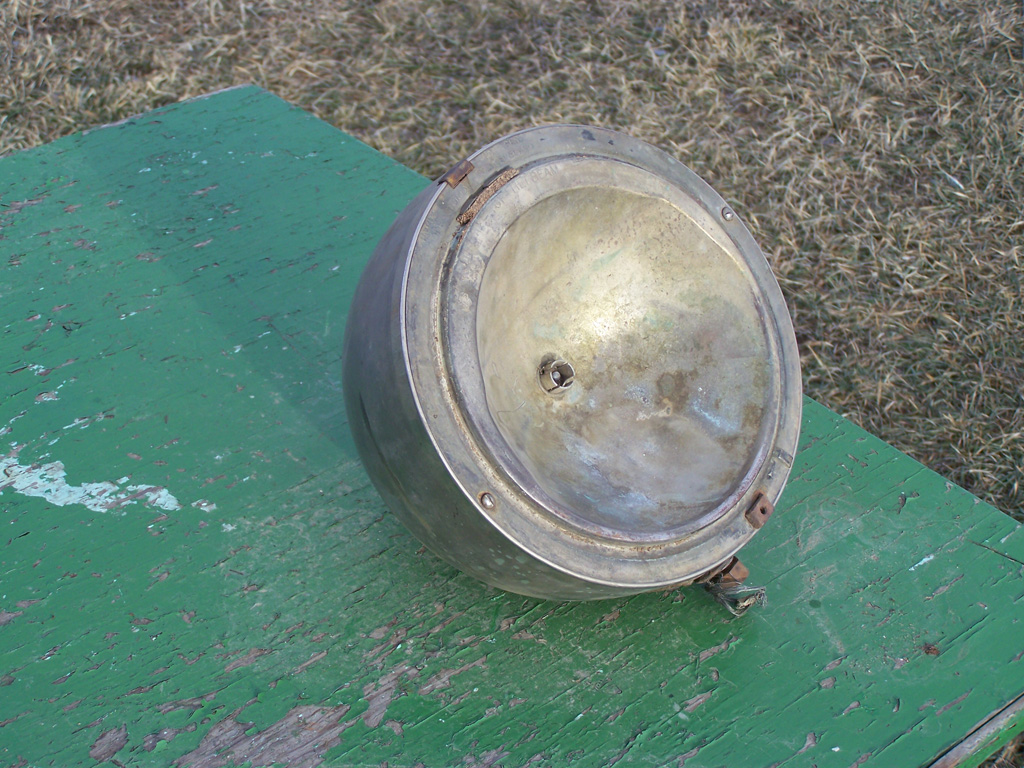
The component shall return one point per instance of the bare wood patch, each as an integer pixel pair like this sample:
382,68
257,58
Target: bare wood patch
248,659
379,695
299,740
443,678
109,743
709,652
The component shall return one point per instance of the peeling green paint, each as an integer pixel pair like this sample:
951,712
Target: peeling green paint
175,290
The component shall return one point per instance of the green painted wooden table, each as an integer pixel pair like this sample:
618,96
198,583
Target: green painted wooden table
194,568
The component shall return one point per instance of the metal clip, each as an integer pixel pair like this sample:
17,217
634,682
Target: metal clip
759,511
723,571
454,175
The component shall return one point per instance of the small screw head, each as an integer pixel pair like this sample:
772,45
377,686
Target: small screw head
727,214
486,500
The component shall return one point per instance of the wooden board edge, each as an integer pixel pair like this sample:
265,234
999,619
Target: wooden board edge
200,97
985,738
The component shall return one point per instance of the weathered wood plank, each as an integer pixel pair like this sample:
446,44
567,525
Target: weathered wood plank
196,569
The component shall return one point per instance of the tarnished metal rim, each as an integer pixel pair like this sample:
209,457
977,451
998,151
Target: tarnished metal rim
516,515
473,256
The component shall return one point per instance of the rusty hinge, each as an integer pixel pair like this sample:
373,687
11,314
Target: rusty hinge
454,175
759,511
732,571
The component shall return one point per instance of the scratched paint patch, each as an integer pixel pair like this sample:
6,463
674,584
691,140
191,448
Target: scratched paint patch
922,561
48,481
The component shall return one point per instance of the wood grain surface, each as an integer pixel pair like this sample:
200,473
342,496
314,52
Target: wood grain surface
195,570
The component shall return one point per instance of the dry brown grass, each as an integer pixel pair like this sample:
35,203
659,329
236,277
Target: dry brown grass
874,148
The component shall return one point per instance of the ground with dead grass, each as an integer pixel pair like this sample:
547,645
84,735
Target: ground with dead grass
875,149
